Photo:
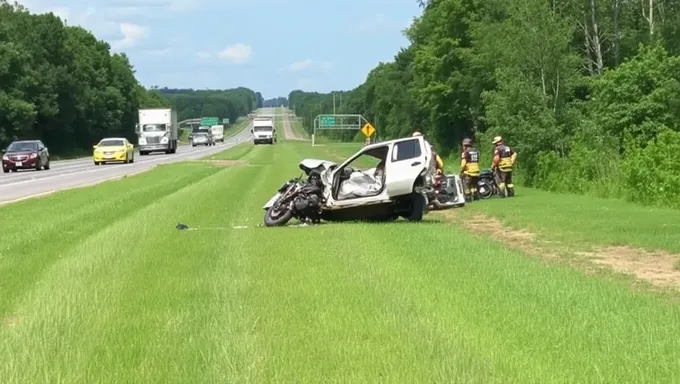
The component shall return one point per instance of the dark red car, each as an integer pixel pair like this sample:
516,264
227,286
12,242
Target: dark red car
25,154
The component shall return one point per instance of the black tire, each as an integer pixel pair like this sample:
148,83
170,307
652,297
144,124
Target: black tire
278,221
418,205
38,166
489,189
47,166
6,170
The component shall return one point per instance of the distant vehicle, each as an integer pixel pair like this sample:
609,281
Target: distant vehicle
25,154
202,138
263,130
113,149
217,132
157,130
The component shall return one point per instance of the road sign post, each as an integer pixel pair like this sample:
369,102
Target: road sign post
368,130
341,122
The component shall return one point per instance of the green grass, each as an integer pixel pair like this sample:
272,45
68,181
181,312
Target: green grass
104,289
582,219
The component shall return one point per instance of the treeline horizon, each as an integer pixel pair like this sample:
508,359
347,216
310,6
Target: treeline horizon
588,92
62,85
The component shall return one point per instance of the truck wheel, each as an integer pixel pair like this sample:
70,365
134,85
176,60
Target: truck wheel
417,202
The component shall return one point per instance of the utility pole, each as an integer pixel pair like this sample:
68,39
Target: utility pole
334,103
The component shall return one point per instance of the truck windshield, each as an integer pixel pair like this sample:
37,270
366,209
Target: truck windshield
154,127
263,129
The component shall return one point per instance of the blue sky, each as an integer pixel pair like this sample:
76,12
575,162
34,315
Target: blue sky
270,46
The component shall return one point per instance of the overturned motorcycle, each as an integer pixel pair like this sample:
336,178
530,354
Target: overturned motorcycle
486,185
324,194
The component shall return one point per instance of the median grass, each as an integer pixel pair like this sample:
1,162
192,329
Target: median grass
104,288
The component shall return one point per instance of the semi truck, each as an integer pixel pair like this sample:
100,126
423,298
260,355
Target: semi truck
157,130
263,130
217,133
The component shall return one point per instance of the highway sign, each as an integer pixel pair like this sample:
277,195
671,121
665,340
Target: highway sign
327,121
368,130
225,121
209,120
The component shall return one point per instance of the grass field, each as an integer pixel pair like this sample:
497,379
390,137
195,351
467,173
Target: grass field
103,288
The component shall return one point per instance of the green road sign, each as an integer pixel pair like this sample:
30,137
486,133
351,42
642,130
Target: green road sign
327,121
225,121
209,120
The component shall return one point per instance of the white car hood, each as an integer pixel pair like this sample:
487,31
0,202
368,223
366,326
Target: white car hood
323,165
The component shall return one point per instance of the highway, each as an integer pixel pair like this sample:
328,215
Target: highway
82,172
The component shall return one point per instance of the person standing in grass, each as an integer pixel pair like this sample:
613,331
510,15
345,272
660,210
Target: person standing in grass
469,170
503,160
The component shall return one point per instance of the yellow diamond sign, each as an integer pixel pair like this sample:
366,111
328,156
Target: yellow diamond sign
368,130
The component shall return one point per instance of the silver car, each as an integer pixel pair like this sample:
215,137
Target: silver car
201,138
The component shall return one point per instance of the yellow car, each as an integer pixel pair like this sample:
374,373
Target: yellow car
113,149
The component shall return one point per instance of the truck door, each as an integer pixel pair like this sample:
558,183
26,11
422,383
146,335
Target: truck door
407,160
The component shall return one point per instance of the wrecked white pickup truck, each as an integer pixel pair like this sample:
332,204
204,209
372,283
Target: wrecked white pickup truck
397,185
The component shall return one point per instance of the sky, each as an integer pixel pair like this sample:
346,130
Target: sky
269,46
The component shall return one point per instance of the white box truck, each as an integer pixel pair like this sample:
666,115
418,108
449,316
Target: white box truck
217,133
263,130
157,130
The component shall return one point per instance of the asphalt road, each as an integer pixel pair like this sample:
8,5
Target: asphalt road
81,172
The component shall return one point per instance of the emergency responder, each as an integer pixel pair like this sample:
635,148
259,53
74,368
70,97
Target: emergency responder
439,163
503,160
469,170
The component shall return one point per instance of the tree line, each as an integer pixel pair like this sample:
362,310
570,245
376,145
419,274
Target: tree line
276,102
62,85
588,92
190,103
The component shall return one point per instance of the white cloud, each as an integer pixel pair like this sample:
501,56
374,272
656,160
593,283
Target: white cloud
238,53
309,64
300,65
132,35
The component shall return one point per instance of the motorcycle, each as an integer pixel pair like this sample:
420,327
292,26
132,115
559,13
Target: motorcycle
297,198
447,192
486,185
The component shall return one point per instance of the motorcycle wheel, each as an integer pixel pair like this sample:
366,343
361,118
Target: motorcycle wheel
485,189
275,217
